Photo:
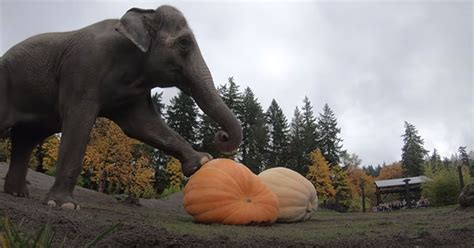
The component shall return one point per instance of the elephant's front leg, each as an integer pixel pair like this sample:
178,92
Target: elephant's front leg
77,122
140,121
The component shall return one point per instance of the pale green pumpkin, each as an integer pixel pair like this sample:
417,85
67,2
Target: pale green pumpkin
296,195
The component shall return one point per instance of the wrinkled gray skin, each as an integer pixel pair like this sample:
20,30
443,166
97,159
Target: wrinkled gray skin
61,82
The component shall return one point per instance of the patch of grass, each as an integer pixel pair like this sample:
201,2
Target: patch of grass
102,235
421,223
384,223
170,190
10,237
462,228
325,225
422,233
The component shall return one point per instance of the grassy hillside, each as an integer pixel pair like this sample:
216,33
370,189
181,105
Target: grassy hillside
163,222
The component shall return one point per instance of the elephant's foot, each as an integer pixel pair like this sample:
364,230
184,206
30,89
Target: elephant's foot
194,162
15,188
64,201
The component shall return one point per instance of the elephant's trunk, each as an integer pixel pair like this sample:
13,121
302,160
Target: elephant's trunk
203,91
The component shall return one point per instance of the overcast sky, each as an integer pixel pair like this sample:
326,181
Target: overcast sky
377,64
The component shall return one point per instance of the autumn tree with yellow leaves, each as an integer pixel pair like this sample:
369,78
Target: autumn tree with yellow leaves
358,179
319,175
112,162
5,147
50,148
391,171
173,168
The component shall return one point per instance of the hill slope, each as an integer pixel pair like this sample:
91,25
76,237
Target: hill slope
163,222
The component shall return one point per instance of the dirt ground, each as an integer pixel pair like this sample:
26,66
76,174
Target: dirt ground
164,223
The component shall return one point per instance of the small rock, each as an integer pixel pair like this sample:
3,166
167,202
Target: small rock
69,205
51,203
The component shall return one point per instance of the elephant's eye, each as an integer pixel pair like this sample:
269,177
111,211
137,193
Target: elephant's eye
184,44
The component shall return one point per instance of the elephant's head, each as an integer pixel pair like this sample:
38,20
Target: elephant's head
173,58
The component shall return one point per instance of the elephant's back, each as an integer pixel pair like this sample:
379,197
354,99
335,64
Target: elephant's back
40,67
48,48
32,70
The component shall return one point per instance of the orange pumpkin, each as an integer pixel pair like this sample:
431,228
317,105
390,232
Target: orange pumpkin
226,192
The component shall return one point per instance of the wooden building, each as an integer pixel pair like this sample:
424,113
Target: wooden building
405,185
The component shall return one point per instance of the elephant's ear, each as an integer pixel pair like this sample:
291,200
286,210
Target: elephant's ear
135,26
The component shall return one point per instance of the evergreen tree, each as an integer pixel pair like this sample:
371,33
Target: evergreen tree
255,133
372,171
465,160
463,156
158,159
328,140
434,161
471,162
157,99
232,97
297,157
277,154
206,131
182,117
310,134
446,162
378,169
350,161
341,184
412,152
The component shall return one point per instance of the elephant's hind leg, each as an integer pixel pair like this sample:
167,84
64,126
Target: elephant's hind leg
23,141
5,118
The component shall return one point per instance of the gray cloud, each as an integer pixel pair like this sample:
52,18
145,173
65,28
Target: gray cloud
376,64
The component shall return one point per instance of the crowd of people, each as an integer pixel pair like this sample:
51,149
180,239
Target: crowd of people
401,204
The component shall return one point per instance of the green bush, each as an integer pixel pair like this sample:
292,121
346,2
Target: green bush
171,190
444,188
356,204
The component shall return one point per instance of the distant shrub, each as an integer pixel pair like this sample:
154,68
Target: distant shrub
5,146
148,192
171,190
444,188
356,204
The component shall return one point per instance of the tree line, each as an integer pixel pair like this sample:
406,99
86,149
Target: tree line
309,144
269,140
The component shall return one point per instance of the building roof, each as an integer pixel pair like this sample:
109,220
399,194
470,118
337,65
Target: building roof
400,181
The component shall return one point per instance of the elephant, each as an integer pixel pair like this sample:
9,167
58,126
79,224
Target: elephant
63,81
